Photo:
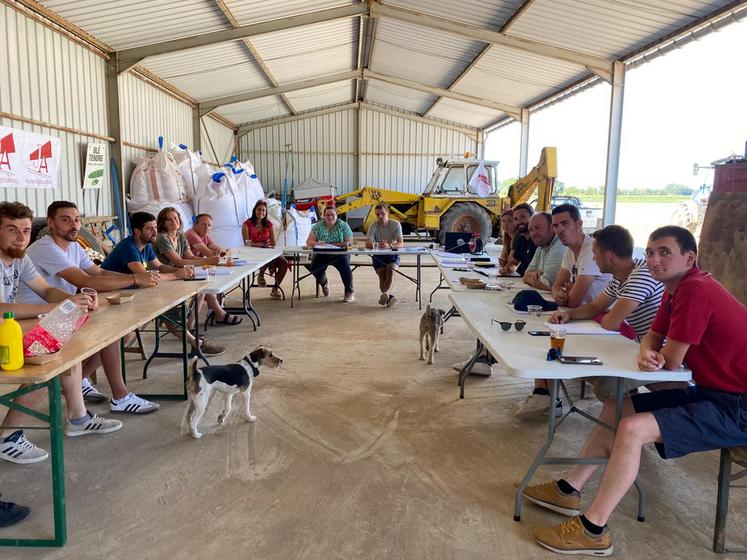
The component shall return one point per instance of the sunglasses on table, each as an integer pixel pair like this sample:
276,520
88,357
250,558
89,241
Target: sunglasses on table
506,325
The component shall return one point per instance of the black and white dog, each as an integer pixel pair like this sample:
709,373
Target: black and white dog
228,379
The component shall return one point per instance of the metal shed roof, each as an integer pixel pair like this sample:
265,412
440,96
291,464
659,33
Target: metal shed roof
470,62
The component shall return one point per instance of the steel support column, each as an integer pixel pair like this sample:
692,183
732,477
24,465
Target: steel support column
358,144
613,142
115,131
196,135
524,147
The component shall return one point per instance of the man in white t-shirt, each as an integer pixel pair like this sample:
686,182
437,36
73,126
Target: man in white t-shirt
62,262
578,282
16,267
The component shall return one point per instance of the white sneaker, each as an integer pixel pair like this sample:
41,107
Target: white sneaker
17,449
94,425
534,405
459,366
478,368
132,404
91,394
349,297
392,300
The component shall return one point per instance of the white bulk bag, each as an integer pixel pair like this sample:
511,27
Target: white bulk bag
218,197
156,178
275,215
297,228
193,170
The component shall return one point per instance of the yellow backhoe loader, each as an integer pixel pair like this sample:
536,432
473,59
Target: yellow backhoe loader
448,203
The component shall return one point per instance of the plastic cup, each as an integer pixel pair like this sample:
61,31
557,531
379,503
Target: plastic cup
557,337
535,310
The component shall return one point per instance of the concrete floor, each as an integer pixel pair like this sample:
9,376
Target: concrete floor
360,451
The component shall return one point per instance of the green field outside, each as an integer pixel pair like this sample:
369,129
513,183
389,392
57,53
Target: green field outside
649,198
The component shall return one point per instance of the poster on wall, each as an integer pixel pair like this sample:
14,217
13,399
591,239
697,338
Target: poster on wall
28,160
94,174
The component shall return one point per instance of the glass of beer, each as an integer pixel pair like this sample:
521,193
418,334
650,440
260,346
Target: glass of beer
557,337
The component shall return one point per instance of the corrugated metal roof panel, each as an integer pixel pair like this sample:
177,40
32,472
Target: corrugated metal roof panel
516,77
122,25
475,12
254,110
608,29
255,11
419,53
207,72
310,51
321,96
396,96
460,112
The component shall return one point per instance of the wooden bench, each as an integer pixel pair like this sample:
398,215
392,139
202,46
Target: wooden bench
738,456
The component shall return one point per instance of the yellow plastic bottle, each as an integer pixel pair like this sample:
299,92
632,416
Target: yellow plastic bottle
11,343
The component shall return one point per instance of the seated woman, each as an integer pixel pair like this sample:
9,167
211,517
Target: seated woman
332,231
173,249
257,231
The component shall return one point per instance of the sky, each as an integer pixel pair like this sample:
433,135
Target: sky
688,106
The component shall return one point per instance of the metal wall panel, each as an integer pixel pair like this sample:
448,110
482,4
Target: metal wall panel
400,154
46,77
396,153
220,145
323,148
147,113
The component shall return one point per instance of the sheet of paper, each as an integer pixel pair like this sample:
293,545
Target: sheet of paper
584,327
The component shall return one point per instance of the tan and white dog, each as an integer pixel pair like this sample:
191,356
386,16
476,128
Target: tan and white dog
228,379
431,327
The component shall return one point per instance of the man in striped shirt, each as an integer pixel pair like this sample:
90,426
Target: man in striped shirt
630,299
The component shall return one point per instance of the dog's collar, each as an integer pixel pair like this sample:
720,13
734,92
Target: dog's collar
255,369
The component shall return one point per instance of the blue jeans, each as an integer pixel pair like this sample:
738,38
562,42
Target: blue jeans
319,264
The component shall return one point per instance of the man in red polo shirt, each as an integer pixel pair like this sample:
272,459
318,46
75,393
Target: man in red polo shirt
703,326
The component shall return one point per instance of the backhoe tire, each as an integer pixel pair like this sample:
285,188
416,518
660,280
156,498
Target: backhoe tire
466,217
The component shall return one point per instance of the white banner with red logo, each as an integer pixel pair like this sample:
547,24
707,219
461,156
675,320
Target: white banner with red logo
480,183
28,160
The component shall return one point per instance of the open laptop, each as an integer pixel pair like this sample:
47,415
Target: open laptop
457,242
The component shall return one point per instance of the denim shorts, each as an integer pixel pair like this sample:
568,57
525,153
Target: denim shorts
380,261
695,419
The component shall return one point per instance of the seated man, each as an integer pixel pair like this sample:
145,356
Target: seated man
385,234
135,252
63,264
631,297
199,238
545,265
702,326
332,231
522,247
578,281
16,267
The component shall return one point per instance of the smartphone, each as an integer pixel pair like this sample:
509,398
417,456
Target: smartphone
580,360
539,333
